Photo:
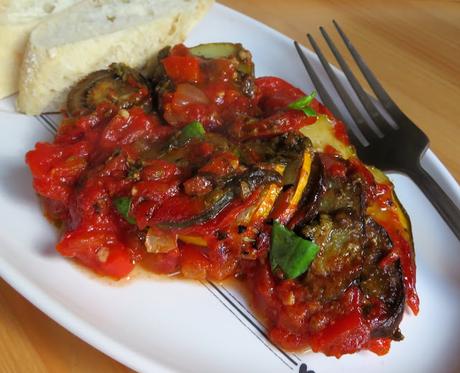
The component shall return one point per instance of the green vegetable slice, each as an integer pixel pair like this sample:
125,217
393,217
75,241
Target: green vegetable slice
303,104
289,252
226,51
215,50
123,205
191,130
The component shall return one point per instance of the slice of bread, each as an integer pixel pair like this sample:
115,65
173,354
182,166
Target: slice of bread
94,33
17,19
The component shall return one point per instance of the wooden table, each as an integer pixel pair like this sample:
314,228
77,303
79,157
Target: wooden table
420,67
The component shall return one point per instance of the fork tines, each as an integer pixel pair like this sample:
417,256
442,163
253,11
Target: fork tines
396,146
366,132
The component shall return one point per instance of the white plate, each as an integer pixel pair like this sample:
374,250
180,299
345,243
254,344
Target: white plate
155,324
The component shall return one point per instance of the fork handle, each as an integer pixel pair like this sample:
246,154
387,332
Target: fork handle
436,195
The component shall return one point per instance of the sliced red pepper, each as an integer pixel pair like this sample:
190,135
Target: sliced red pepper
182,68
159,170
126,128
221,164
274,94
55,168
99,250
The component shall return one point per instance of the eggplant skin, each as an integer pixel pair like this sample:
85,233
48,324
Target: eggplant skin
385,284
284,149
351,246
226,191
119,85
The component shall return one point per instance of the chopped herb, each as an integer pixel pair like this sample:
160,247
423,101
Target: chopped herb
194,129
289,252
123,205
134,170
221,235
241,229
303,104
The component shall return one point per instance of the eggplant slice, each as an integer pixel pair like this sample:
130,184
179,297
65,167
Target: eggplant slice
119,85
226,191
383,284
351,247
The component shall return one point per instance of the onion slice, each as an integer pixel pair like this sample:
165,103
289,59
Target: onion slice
157,241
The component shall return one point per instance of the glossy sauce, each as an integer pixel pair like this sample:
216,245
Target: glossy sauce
109,154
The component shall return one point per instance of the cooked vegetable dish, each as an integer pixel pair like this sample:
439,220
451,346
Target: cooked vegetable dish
204,171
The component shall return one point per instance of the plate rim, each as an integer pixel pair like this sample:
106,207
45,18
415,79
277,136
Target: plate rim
108,345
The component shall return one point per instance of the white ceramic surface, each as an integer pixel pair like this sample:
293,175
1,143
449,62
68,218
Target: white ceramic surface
164,325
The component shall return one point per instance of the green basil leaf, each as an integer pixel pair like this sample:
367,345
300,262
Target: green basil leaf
309,112
191,130
123,205
303,104
289,252
300,103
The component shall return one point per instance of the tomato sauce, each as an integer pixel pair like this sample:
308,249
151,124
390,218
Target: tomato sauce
126,194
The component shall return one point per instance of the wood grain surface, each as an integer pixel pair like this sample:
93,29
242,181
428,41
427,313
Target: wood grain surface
412,46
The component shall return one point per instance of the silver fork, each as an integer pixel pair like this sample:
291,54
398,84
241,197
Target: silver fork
385,146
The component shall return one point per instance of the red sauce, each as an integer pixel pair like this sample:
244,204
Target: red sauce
340,132
98,158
